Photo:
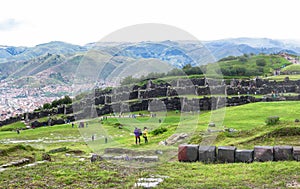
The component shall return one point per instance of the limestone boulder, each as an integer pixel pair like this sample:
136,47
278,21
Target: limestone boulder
188,153
283,153
226,154
263,153
207,154
244,156
296,153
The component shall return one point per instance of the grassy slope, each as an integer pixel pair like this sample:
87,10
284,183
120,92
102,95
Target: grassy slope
282,77
250,66
292,68
68,172
248,120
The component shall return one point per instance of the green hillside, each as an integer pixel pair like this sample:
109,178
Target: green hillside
294,68
246,65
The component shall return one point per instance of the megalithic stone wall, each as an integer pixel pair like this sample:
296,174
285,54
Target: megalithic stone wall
230,154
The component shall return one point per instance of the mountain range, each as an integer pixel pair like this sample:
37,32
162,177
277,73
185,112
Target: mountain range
57,62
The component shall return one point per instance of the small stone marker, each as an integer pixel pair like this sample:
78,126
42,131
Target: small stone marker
207,154
296,153
211,124
226,154
245,156
283,153
188,153
263,153
96,157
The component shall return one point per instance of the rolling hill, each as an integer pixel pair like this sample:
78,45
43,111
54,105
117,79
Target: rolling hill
60,61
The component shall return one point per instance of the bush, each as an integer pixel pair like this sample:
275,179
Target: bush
261,62
159,131
272,120
243,59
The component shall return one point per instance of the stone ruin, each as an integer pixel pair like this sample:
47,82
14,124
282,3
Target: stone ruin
230,154
170,97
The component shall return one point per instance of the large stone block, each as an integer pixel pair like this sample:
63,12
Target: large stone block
188,153
296,153
245,156
207,154
263,153
283,153
226,154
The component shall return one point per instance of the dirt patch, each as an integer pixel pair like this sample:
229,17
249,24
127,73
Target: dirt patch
293,184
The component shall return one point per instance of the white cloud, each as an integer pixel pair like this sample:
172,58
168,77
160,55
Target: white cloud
9,24
85,21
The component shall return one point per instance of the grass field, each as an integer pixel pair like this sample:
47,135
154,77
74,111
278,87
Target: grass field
282,77
292,68
76,171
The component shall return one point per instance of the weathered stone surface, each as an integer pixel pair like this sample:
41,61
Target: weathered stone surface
107,157
96,157
226,154
283,153
131,158
207,154
245,156
16,163
211,124
173,139
296,153
46,157
62,149
263,153
188,153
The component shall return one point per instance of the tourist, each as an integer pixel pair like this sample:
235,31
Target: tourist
137,135
93,137
145,135
18,131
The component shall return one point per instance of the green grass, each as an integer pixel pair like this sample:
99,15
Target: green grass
282,77
248,67
69,172
13,126
238,175
248,120
75,174
292,68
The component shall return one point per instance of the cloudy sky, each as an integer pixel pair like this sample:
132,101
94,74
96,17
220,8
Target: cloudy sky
31,22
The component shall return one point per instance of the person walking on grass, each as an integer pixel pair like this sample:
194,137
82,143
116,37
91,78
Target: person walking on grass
137,135
145,134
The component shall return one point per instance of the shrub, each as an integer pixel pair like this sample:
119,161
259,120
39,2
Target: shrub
272,120
159,131
261,62
243,59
